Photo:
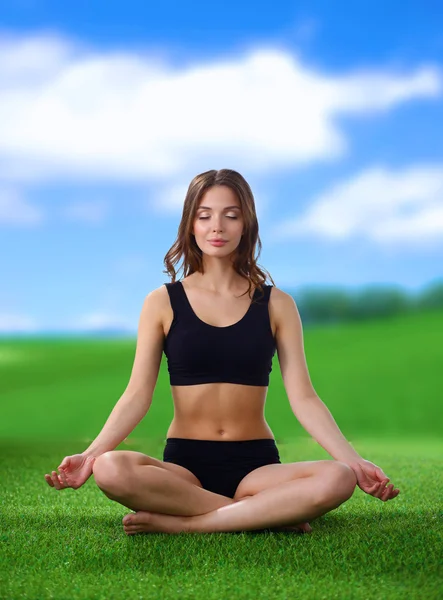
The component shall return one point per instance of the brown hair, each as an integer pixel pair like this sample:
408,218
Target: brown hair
185,245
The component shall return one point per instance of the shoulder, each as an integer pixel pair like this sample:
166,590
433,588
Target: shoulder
279,297
159,294
282,304
158,301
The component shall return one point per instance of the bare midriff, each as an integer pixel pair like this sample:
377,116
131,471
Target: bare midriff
218,411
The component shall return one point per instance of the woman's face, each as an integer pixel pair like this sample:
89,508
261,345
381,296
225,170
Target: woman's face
218,216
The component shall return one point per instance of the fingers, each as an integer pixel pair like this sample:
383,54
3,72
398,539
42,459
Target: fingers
381,488
49,480
54,481
386,493
63,477
382,492
391,494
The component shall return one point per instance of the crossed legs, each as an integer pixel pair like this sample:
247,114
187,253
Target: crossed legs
187,507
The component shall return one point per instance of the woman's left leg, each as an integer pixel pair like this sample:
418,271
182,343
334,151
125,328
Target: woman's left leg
293,502
296,501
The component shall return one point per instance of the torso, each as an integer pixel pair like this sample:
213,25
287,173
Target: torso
218,411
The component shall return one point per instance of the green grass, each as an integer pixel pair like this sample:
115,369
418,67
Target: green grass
380,380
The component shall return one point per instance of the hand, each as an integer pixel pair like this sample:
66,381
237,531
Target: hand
74,471
372,480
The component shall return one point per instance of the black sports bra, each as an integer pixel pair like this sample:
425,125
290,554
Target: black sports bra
201,353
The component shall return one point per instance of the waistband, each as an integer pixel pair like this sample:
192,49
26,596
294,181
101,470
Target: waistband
200,443
235,448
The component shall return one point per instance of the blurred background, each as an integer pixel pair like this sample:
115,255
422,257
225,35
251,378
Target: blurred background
333,112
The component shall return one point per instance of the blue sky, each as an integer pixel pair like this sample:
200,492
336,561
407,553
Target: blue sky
333,112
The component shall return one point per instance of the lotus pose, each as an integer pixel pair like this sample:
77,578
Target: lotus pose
219,328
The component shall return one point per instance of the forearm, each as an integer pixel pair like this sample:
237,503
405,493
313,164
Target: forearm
316,418
126,414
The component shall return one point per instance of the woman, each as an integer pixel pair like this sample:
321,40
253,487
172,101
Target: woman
219,328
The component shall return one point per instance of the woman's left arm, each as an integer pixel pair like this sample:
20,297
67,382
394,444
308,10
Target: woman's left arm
311,412
318,421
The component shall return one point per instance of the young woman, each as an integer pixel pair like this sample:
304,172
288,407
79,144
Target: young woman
219,328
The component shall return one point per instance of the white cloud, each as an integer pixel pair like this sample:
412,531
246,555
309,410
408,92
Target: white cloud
424,227
401,206
30,60
69,111
169,199
15,210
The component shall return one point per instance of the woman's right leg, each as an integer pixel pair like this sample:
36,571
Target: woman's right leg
135,481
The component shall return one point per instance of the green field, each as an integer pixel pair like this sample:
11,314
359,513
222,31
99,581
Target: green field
382,383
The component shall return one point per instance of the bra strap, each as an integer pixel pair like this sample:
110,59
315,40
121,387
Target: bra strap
179,300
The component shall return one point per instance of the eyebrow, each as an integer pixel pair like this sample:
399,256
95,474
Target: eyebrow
226,207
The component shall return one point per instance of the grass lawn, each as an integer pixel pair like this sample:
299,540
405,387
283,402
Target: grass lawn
379,380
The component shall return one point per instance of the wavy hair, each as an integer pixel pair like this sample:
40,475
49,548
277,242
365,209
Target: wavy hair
244,262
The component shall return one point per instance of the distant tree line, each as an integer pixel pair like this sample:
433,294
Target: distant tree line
335,304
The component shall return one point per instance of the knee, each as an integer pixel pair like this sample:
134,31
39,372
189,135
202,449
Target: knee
340,486
346,480
111,470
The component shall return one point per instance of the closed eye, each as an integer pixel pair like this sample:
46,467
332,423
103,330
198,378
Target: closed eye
202,218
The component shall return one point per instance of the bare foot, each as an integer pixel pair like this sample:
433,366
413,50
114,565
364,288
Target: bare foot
150,522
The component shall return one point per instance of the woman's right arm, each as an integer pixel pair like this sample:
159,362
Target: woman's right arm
137,398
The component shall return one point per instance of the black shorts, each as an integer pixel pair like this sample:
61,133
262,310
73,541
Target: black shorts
220,466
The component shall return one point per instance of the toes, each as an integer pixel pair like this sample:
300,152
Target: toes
131,528
140,517
129,519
